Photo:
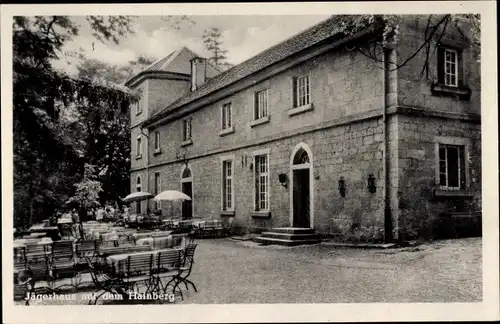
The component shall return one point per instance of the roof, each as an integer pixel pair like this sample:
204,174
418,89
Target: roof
324,30
177,61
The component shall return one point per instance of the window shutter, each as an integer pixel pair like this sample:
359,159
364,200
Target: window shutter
256,180
294,92
440,65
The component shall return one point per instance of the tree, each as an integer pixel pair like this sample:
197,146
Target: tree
467,25
87,190
46,160
212,38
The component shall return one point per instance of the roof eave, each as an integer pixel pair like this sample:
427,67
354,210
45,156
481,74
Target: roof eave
156,119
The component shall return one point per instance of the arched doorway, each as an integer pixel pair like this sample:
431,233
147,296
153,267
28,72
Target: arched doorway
187,188
301,188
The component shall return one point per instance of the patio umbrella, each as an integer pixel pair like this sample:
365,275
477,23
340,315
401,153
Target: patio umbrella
172,195
137,196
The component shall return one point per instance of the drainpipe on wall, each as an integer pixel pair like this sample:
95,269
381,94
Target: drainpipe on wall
390,98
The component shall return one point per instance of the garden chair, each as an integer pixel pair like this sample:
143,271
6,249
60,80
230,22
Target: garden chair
209,229
63,262
104,280
167,266
227,227
187,266
136,270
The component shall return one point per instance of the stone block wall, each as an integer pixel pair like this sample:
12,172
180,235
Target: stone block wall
417,163
352,151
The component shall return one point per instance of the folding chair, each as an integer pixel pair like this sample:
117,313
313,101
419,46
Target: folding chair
187,266
168,266
136,269
62,262
104,280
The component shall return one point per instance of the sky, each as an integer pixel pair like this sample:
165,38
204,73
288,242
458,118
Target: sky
242,36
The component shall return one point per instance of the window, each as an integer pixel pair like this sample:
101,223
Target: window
301,91
139,147
226,116
157,141
261,182
452,166
261,109
157,189
450,67
227,185
186,129
137,107
138,188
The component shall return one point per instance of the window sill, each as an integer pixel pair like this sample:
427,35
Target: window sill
261,214
227,213
157,151
259,121
452,193
441,89
186,143
138,157
299,110
226,131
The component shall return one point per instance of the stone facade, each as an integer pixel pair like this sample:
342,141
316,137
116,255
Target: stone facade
343,131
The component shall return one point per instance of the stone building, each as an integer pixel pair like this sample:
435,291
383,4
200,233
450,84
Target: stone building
312,133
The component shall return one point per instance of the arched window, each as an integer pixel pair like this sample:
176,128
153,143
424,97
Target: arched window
138,185
301,157
186,173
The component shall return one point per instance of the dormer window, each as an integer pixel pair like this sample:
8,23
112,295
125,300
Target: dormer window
450,67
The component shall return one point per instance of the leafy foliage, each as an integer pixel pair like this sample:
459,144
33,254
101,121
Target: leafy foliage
49,154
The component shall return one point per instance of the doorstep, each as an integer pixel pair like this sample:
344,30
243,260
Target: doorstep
247,237
362,245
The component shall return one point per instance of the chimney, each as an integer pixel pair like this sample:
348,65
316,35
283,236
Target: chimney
198,72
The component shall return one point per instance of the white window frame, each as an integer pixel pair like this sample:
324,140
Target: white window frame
306,87
226,118
465,143
138,108
454,73
157,141
138,149
158,189
187,129
224,207
267,174
261,106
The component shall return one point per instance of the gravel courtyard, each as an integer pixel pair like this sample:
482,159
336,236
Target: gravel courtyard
227,271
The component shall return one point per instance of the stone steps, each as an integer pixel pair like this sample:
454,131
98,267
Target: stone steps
289,236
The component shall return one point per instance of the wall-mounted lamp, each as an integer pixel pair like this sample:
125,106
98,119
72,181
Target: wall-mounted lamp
342,188
283,179
371,184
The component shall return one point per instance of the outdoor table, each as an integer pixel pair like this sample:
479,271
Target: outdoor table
138,236
157,242
108,251
113,260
